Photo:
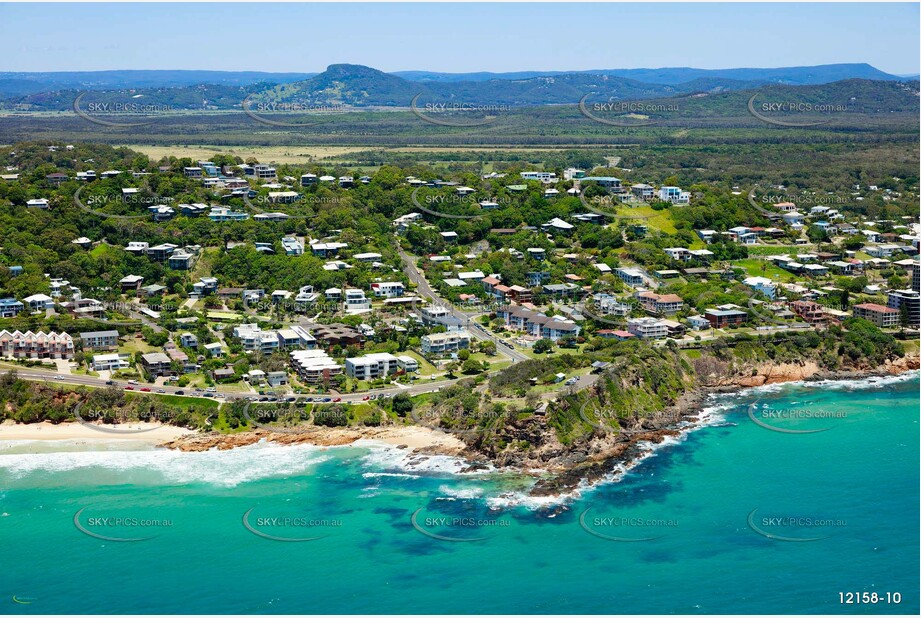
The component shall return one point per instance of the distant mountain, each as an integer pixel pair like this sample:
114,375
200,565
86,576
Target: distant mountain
360,86
102,80
820,74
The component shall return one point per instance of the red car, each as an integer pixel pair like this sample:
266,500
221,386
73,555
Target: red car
145,390
129,388
337,399
366,397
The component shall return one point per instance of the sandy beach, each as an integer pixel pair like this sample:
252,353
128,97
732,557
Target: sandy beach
151,433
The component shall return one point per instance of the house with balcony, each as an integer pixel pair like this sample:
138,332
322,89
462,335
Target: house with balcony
10,307
388,289
438,344
647,328
674,195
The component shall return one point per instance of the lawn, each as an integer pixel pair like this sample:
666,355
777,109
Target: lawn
753,267
659,219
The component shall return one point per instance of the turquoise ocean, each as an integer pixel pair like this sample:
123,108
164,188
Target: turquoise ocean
733,517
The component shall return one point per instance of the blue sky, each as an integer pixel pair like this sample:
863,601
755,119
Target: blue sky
454,37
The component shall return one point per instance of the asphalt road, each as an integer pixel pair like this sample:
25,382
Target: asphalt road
478,332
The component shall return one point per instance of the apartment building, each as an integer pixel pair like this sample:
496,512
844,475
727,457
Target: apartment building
911,300
100,340
438,344
371,366
880,315
314,366
36,345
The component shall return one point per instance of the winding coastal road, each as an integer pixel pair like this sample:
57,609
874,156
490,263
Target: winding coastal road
425,290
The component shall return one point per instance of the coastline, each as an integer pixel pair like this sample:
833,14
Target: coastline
149,433
559,471
608,458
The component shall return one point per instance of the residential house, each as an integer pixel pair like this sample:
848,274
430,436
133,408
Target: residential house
720,318
157,364
647,328
10,307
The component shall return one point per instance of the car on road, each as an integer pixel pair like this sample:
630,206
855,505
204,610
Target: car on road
59,377
337,399
180,392
263,399
326,400
208,395
571,381
145,389
366,398
160,390
129,388
109,382
133,382
308,400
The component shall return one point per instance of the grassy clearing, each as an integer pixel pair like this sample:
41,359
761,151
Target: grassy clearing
275,154
658,219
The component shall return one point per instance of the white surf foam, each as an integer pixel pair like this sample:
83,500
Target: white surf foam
226,468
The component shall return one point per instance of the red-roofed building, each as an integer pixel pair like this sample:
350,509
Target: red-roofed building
878,314
660,304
